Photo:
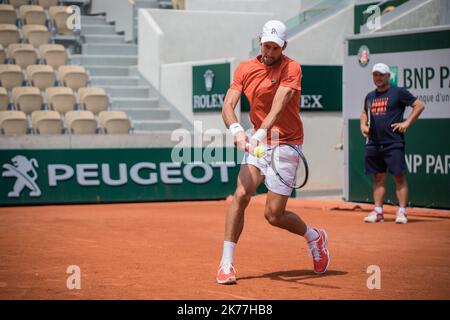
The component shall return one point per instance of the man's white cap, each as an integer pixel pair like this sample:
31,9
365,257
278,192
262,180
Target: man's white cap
381,68
274,31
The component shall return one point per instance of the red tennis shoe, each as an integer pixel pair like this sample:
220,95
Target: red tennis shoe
226,274
319,251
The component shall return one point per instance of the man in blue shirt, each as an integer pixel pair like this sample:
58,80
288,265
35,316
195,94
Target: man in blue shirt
383,126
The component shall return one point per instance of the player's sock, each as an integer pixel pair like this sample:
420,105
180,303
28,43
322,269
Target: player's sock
228,252
379,210
310,234
401,210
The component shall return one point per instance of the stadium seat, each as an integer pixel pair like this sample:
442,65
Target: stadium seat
27,99
93,99
81,122
61,99
54,55
11,76
18,3
114,122
41,76
59,17
7,14
47,122
32,14
46,4
4,99
9,34
13,122
36,34
2,55
22,54
73,76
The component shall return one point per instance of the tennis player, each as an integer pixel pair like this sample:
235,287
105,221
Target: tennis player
271,83
385,146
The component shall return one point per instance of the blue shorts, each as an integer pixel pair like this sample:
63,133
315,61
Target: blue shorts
380,158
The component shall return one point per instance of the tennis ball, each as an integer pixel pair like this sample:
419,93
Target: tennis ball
259,151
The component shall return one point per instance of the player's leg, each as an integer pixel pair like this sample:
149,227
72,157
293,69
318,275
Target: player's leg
395,159
248,180
379,188
376,166
401,189
276,214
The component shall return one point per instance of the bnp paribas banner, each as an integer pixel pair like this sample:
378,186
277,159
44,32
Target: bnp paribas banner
419,62
112,175
210,84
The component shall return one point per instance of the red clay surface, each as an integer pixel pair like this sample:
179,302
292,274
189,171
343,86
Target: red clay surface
172,250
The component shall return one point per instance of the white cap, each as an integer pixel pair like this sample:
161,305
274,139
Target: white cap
274,31
381,68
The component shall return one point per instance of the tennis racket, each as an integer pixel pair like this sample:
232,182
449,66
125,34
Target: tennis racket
280,157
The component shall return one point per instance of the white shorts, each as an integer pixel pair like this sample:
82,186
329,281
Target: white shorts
289,160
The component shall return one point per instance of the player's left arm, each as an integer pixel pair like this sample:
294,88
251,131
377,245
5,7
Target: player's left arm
418,107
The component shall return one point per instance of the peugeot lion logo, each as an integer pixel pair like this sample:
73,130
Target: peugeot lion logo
20,170
209,80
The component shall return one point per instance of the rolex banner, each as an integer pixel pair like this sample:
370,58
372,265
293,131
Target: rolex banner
419,62
210,84
112,175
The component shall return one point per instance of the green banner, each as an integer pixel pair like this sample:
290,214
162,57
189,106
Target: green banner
428,165
427,40
116,175
321,89
210,84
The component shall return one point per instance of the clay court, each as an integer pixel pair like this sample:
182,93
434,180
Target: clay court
171,251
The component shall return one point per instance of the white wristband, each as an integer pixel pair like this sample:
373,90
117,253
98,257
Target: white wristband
235,128
260,135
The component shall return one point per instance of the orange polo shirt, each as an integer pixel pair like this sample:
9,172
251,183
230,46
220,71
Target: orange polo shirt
260,83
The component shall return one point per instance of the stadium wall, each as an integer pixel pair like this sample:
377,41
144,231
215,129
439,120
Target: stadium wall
281,9
170,36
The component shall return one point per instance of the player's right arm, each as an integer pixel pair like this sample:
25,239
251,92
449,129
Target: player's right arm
231,121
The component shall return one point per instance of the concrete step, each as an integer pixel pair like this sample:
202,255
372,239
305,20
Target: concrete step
143,103
107,39
146,4
102,60
146,114
115,81
98,29
110,49
131,92
93,19
112,70
133,71
151,125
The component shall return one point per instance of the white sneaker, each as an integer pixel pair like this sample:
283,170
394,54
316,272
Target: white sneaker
401,218
374,217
